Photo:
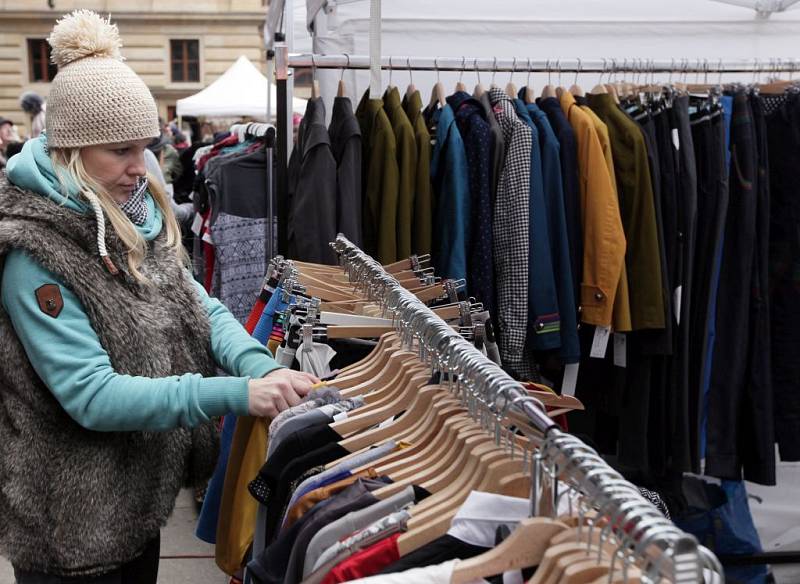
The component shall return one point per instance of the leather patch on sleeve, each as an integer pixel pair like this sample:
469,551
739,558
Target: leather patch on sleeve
50,299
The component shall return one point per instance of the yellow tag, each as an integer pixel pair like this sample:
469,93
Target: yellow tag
402,445
318,385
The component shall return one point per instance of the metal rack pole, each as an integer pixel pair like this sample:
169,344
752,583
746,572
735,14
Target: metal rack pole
524,64
676,555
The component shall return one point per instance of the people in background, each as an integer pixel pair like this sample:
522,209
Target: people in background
33,104
8,136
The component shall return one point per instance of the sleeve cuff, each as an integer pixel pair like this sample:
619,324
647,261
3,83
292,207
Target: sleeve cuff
218,396
256,364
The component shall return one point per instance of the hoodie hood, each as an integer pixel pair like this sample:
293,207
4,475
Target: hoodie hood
32,169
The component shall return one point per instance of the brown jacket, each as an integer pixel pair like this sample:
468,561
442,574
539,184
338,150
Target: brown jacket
603,237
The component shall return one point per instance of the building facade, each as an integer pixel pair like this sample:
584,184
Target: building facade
178,47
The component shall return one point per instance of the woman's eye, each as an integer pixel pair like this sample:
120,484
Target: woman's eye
121,151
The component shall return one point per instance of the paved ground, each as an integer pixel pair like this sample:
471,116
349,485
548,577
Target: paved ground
177,538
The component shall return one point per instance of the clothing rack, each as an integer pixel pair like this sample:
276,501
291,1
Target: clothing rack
268,133
604,66
668,552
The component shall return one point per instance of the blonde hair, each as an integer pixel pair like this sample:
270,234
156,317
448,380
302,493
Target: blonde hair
68,160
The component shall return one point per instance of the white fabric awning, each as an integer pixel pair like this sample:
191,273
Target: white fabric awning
240,91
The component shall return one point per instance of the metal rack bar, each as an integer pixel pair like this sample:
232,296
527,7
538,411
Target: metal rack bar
670,553
525,64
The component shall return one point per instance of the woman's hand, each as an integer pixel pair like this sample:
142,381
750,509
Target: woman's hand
281,389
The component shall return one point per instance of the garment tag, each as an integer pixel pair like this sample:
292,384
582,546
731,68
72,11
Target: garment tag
676,303
620,350
600,342
676,139
197,224
207,238
386,423
570,381
340,416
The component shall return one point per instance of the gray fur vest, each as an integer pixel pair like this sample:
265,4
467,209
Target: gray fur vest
74,501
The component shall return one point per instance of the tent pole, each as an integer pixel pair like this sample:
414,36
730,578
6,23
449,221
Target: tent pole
282,144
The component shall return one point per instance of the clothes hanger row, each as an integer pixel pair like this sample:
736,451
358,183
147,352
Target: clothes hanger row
490,395
638,67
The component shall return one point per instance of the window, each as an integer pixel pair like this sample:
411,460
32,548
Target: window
41,69
172,113
185,60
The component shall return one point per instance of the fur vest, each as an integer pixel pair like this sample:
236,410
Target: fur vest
73,501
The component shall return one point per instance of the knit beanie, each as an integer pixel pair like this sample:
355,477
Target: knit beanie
95,98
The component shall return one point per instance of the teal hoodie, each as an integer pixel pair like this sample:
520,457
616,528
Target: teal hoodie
83,380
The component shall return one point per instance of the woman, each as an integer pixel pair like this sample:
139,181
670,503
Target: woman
107,381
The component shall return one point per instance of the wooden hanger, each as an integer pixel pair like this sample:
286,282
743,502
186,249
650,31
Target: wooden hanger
524,548
460,84
437,93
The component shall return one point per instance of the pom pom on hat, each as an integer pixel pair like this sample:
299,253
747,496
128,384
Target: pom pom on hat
95,98
82,34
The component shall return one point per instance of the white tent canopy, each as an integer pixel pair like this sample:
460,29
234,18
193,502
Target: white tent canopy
240,91
539,29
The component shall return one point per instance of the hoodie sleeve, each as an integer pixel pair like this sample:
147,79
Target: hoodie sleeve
67,355
234,350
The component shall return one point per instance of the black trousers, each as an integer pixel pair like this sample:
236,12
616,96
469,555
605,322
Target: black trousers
740,425
140,570
783,136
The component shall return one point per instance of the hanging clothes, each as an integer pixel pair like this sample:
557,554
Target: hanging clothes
450,180
603,237
379,180
421,233
476,134
345,136
510,234
312,220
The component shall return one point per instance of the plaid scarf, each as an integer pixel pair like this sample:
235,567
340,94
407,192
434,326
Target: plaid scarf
136,207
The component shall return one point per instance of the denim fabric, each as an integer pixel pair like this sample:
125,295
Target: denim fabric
712,197
544,322
783,134
720,519
476,133
450,176
559,238
571,187
207,522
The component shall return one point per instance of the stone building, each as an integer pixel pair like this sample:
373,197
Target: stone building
176,46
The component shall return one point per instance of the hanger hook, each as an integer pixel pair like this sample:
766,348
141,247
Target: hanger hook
463,67
341,77
547,66
477,71
390,70
436,66
313,67
513,68
558,68
410,75
577,71
528,81
494,69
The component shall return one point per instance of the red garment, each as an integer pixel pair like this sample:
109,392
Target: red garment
367,562
208,253
255,315
229,141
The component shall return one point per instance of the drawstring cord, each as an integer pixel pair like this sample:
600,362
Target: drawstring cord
101,231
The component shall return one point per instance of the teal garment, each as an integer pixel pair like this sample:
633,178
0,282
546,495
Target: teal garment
557,225
449,174
544,321
66,351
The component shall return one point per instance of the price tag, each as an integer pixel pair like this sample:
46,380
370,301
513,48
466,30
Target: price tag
197,224
340,416
620,350
600,342
676,139
570,380
677,296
